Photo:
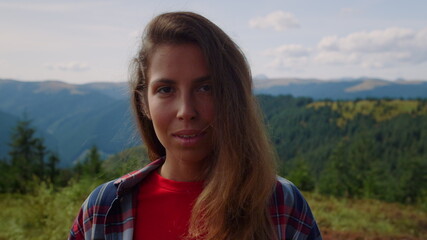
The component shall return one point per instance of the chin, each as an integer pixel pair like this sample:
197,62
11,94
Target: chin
191,156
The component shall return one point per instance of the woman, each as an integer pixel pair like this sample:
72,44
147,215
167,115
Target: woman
212,174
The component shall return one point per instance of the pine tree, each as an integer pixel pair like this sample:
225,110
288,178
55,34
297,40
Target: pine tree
40,152
52,171
27,157
94,161
91,165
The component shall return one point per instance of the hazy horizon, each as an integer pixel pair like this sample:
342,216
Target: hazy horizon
257,80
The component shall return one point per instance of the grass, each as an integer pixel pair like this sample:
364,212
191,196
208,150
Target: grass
368,218
46,214
49,214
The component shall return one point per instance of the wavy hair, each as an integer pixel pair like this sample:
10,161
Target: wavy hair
240,180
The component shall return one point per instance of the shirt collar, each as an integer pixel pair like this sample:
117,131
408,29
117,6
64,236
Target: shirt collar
128,181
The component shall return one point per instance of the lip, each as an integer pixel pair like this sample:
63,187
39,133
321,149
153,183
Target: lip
188,132
189,137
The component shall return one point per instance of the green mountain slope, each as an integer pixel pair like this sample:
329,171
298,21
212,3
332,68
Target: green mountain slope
72,118
382,156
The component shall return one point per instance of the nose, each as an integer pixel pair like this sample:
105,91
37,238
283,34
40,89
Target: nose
187,107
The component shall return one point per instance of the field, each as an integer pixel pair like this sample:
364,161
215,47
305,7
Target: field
341,218
48,215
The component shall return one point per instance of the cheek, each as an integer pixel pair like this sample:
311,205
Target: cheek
161,127
211,112
158,115
157,118
208,109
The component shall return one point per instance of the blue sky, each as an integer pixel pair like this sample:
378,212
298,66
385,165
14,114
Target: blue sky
93,41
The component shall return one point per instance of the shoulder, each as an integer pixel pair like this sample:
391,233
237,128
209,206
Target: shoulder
103,195
291,213
93,211
287,194
100,205
102,198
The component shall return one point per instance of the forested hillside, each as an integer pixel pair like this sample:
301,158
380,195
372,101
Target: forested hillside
366,148
70,118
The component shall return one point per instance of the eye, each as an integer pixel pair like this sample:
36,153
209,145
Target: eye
164,90
205,88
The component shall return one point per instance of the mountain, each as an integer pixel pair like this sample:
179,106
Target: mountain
71,118
119,90
344,89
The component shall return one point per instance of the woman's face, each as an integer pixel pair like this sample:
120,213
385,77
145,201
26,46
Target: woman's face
180,101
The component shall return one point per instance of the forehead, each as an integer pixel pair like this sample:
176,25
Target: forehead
177,61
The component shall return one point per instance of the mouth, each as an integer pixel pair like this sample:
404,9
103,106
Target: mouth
189,136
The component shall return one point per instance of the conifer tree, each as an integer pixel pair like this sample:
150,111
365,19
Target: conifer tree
26,157
91,165
52,170
94,161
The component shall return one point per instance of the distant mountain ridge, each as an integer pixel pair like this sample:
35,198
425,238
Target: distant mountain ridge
74,117
342,89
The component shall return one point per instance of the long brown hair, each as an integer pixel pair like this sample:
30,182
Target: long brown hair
241,177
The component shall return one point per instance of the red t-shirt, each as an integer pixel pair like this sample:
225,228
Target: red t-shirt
164,208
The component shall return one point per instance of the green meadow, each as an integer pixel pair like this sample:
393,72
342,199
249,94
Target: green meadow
48,214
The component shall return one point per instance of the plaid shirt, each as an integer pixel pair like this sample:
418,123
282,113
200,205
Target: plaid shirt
109,211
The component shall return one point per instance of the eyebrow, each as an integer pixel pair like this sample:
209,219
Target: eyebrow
170,81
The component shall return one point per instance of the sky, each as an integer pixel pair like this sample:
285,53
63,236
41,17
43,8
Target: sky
94,41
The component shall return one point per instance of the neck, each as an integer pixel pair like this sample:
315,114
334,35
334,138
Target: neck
182,170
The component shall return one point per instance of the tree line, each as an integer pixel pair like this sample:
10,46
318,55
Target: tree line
29,163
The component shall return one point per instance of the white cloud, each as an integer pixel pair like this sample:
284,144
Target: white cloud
292,50
377,41
287,56
336,58
379,49
278,20
68,67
